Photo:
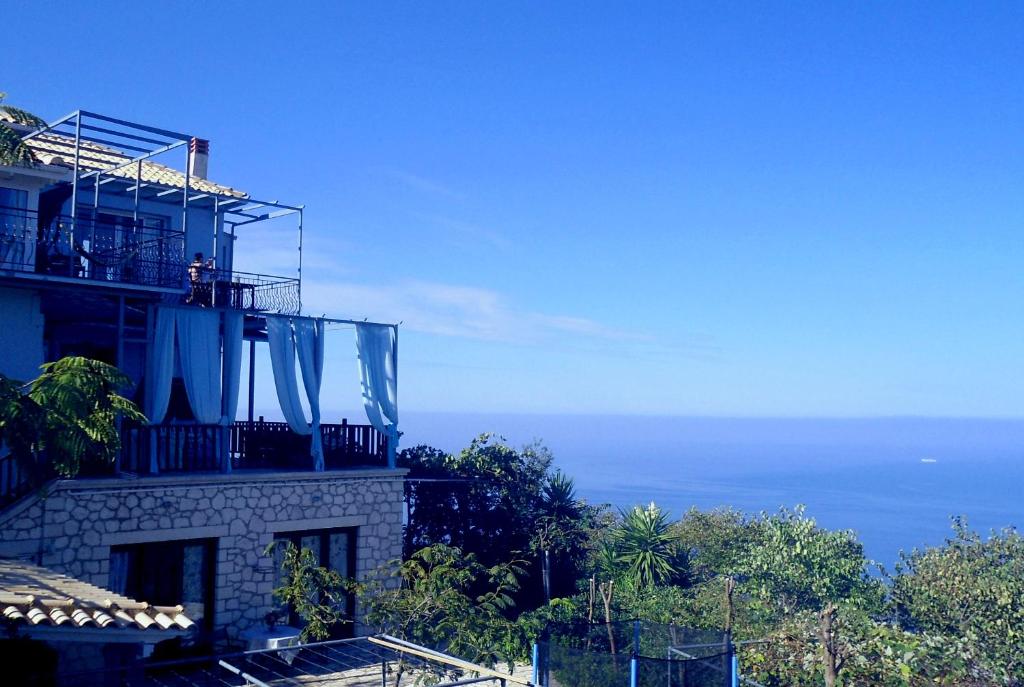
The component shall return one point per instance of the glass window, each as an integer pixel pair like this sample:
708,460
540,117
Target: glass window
334,549
12,198
167,574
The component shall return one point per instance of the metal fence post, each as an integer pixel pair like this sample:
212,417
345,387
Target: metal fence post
735,669
634,661
536,663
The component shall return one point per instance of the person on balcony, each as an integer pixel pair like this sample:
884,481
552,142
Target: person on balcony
199,277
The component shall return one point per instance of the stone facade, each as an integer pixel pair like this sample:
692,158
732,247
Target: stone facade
78,521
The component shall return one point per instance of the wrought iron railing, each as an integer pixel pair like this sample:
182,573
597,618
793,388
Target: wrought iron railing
84,248
242,291
259,445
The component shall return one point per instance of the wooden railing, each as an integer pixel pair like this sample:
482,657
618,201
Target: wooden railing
257,445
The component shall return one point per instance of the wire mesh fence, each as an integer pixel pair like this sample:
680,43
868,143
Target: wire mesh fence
634,654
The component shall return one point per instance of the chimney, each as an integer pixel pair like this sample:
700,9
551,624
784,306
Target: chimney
198,157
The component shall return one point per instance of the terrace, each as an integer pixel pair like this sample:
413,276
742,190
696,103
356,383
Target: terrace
117,215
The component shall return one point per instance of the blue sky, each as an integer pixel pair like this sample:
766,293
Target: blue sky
774,209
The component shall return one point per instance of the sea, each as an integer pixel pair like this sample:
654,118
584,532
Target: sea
896,482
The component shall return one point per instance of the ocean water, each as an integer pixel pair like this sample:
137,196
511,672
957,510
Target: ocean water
896,482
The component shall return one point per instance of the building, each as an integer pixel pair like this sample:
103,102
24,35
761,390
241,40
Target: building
108,250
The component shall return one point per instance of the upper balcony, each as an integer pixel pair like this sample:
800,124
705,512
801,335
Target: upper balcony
121,209
127,252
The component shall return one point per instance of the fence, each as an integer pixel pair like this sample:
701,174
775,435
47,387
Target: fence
634,654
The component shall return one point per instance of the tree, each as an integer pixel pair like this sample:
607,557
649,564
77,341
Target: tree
561,529
69,415
646,547
317,594
436,604
13,150
494,501
800,568
969,588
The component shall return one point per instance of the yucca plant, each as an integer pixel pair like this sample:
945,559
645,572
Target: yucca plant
13,150
646,547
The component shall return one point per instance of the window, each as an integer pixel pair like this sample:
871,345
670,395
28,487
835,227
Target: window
334,549
13,199
167,574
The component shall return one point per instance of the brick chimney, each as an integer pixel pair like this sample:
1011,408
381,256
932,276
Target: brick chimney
198,157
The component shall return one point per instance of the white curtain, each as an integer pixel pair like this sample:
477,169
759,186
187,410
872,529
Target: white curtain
233,323
200,355
160,367
378,375
282,361
309,344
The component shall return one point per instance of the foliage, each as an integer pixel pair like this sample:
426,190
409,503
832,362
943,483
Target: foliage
70,413
317,594
495,501
799,568
12,150
646,547
434,604
714,541
970,588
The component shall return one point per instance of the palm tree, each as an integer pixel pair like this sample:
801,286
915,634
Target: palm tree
646,546
560,526
13,150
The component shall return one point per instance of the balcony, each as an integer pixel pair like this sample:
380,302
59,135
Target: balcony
255,445
84,249
132,253
196,449
242,291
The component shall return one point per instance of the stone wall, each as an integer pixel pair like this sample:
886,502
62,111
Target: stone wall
75,525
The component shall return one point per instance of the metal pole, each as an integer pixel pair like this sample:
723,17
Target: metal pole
252,377
74,194
735,682
383,674
300,260
120,331
536,663
393,445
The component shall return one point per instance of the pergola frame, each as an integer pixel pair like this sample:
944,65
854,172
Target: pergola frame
137,143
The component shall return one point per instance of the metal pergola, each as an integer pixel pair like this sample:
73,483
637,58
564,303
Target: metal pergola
109,153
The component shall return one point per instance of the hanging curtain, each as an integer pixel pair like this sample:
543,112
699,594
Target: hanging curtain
378,375
282,361
309,344
200,356
233,323
160,367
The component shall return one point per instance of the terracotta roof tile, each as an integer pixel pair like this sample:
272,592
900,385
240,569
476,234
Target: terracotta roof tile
33,595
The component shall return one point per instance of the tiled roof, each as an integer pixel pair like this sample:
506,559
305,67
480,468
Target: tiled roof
57,149
36,596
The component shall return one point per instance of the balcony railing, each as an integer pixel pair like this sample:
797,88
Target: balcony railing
242,291
83,248
257,445
127,252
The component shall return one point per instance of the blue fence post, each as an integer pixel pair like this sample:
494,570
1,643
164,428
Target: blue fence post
735,669
536,663
634,662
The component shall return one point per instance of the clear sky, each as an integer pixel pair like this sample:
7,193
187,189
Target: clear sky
780,209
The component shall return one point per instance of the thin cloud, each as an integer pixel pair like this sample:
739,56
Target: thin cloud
483,314
423,184
466,233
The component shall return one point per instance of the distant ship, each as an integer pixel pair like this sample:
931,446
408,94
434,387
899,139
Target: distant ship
929,460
